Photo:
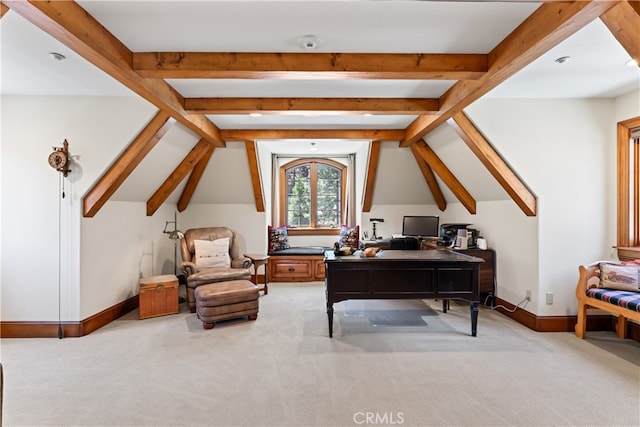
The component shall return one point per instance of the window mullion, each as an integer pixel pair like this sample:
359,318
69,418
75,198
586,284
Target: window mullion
314,195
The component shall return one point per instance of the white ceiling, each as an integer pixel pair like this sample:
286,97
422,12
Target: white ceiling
596,69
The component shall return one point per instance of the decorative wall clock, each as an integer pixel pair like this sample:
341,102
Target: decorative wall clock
59,158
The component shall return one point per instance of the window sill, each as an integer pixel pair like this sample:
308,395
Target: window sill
628,253
300,231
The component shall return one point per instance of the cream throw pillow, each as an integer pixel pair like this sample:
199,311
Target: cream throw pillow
212,253
620,277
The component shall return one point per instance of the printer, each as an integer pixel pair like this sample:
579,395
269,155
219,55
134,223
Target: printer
449,232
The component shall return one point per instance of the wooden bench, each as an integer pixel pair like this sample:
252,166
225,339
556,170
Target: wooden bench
624,304
297,264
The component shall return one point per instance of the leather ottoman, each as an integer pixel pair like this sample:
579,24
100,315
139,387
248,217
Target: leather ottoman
226,300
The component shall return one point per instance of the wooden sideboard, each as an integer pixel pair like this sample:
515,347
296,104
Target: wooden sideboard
487,282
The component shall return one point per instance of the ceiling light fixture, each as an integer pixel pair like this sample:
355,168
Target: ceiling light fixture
313,146
631,63
309,42
255,115
57,56
563,59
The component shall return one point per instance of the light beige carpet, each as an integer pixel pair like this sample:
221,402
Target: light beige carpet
413,369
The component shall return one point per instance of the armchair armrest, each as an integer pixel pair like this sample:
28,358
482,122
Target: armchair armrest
188,268
242,262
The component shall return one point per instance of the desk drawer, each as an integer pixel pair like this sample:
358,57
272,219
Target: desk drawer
453,280
292,269
301,268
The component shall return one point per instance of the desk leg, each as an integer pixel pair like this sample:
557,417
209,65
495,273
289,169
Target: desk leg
330,318
266,275
445,305
473,308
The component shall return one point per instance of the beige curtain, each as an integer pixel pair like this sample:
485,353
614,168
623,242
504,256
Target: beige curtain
349,214
275,192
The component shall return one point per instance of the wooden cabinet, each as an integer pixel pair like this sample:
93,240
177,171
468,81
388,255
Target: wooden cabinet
158,296
318,269
299,268
487,271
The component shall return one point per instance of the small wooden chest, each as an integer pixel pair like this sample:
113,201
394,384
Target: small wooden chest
158,296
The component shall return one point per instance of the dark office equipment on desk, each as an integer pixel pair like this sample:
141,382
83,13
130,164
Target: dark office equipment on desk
420,226
405,243
449,232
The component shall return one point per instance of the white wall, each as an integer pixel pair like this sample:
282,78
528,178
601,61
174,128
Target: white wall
561,149
118,246
37,224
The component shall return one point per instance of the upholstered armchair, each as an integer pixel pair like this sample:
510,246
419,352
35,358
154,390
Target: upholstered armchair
208,266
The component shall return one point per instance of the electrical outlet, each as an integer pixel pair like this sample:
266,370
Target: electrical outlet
528,296
549,298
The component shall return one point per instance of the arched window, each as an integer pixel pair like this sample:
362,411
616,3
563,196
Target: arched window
312,194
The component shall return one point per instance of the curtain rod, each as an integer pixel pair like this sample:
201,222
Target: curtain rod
311,156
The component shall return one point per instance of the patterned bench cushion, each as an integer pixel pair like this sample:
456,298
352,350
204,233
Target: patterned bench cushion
628,300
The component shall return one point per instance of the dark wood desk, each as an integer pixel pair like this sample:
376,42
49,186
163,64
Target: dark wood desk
394,274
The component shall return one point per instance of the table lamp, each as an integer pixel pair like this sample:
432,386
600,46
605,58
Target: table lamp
375,221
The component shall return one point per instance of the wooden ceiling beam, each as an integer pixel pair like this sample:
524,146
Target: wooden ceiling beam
430,179
111,180
438,166
245,65
186,165
386,106
494,163
254,168
254,134
547,26
623,20
68,22
3,9
370,178
194,179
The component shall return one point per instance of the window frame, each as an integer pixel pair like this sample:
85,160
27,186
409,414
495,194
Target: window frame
628,231
313,229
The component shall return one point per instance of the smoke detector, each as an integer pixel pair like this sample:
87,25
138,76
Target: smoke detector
309,42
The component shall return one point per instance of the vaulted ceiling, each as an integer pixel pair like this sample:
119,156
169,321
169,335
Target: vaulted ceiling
318,70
